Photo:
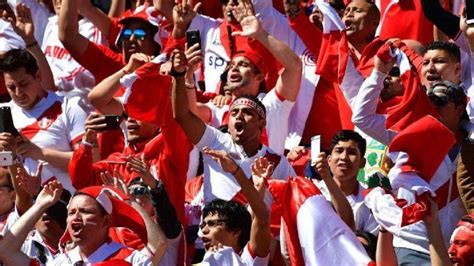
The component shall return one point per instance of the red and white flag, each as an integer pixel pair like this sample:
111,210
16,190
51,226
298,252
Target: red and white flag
147,92
315,234
412,173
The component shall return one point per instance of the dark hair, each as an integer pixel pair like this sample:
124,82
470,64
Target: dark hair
58,211
453,93
346,135
236,216
371,247
149,28
254,99
451,48
15,59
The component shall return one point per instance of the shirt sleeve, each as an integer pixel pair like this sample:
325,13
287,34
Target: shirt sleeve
214,139
364,110
251,259
101,61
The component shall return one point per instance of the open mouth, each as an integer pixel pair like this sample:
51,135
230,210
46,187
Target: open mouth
348,23
76,229
235,77
433,77
239,127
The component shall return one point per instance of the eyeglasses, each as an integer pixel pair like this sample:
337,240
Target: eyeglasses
139,34
212,223
139,190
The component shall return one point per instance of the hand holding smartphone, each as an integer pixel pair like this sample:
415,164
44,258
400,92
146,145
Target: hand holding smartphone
315,148
469,4
112,122
6,121
193,37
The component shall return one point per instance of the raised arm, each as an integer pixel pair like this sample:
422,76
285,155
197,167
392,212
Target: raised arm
97,17
444,20
338,199
12,241
165,7
385,254
69,35
438,252
102,95
288,83
260,237
23,26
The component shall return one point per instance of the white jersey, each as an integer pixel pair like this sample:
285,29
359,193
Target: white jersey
364,220
69,75
102,254
35,247
7,221
277,115
55,123
215,56
40,14
222,185
227,256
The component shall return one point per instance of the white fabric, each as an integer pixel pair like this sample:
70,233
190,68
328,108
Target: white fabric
364,220
31,251
217,183
172,252
12,217
215,56
227,256
69,76
277,25
57,134
8,38
324,238
101,254
277,115
40,14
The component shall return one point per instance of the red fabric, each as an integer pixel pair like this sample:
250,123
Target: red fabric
426,136
126,237
211,8
290,195
192,188
45,120
109,142
114,31
162,152
173,43
311,35
101,61
416,211
420,28
149,94
442,193
114,262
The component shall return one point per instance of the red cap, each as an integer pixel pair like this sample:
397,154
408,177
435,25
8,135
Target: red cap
123,215
145,13
256,54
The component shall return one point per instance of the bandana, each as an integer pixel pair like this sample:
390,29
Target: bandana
250,103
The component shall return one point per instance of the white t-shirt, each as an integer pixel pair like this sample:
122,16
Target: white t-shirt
30,248
54,122
217,183
215,56
364,220
227,256
8,221
141,257
277,115
68,74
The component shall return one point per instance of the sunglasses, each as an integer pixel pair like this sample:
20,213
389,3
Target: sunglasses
212,223
139,190
139,34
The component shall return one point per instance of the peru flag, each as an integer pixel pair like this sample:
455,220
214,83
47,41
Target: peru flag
315,235
412,173
147,92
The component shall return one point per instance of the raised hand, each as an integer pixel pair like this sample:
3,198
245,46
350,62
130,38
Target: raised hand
178,61
114,181
29,183
94,124
7,142
50,194
262,170
184,13
140,166
22,24
193,56
136,61
245,15
223,159
322,165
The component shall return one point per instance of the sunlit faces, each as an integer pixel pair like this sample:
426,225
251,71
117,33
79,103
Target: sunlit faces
214,231
86,221
438,65
133,44
461,251
345,160
24,89
245,124
243,77
361,19
139,131
392,85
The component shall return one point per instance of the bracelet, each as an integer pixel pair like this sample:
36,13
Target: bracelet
31,44
176,74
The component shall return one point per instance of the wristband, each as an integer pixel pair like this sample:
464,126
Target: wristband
31,44
176,74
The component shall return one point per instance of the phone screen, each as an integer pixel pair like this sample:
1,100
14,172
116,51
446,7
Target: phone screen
315,148
470,12
193,37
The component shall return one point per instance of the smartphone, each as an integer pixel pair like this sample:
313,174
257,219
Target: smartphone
6,121
6,158
315,148
193,37
112,122
469,12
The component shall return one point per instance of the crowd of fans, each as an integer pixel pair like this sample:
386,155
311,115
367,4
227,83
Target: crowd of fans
236,132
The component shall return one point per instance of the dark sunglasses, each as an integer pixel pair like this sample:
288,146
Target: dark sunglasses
139,190
139,34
